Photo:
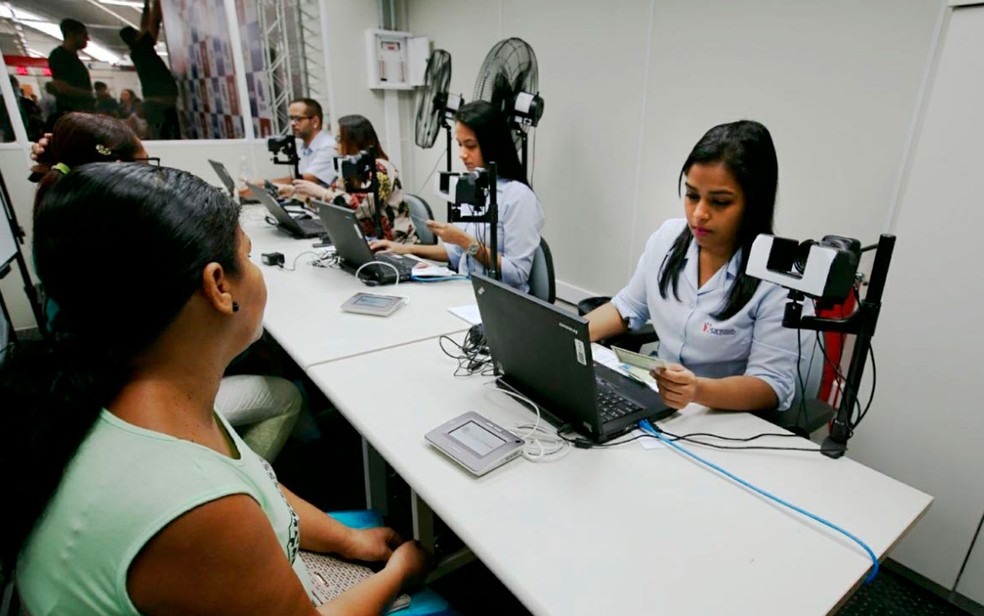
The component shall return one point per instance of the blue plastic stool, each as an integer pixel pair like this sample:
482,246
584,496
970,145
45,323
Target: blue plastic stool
424,602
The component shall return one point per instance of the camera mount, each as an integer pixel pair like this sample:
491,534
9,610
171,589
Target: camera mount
358,172
477,190
827,271
286,145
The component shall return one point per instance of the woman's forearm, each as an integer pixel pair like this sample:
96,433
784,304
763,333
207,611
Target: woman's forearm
605,322
434,252
736,393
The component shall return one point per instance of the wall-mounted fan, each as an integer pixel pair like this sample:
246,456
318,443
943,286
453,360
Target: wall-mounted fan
435,107
508,79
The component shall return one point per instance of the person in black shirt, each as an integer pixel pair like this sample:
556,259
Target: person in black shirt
105,103
160,90
73,88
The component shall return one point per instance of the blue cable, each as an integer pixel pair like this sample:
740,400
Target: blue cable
647,427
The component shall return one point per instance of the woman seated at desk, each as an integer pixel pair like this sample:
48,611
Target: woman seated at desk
483,136
262,408
720,329
133,495
356,134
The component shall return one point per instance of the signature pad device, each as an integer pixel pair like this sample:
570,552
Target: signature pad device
475,442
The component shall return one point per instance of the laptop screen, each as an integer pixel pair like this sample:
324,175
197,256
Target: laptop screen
276,210
224,176
541,350
345,232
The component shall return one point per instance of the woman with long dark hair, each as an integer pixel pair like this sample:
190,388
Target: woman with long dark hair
720,330
262,408
132,494
483,137
356,134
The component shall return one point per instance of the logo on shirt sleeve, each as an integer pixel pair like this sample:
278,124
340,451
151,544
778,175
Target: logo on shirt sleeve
718,331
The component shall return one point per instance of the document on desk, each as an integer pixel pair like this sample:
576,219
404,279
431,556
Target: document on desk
468,312
428,270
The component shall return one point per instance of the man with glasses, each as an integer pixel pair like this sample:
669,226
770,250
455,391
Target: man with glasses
315,147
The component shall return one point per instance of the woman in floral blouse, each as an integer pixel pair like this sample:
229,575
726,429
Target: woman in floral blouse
355,134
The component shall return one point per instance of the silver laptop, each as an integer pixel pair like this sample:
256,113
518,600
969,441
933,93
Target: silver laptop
353,250
229,183
297,227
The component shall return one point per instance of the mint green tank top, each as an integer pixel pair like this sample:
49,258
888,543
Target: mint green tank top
124,485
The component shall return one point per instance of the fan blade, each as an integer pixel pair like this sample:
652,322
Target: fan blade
431,98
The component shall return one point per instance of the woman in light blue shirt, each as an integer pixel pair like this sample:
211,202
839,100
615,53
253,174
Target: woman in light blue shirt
483,136
720,330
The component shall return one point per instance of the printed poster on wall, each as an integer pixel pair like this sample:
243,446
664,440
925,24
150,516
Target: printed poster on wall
200,55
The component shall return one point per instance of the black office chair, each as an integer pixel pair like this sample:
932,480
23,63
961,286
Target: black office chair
630,341
543,284
419,210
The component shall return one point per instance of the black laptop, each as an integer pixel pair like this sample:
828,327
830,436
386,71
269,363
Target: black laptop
544,354
353,250
229,183
298,227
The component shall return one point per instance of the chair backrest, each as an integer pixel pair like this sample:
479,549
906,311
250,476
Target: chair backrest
419,211
542,282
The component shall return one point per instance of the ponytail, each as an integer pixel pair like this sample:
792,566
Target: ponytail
53,392
108,313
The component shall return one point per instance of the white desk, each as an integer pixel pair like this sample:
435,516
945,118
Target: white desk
304,312
626,530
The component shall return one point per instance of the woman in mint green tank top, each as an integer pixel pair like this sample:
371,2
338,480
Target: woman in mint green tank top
133,495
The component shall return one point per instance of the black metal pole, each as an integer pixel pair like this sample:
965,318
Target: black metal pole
447,133
374,189
841,428
494,224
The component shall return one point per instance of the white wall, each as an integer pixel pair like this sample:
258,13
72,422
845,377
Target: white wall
630,86
925,424
347,22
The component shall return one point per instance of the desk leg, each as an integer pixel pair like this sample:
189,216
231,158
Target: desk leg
375,478
423,531
423,521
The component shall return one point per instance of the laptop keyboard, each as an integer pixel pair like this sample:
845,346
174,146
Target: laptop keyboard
310,225
611,404
402,264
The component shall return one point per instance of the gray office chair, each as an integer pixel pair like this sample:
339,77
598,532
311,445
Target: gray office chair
419,210
542,282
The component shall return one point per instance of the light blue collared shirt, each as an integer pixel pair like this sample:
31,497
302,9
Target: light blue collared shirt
318,159
753,342
520,221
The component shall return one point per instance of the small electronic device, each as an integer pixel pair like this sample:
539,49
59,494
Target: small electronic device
272,258
638,360
475,442
376,304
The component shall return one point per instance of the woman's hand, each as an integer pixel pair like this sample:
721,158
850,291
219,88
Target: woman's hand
37,149
285,191
411,563
390,246
371,545
309,189
677,385
449,233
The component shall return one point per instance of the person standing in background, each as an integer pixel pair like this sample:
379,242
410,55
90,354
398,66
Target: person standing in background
160,90
105,103
73,87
